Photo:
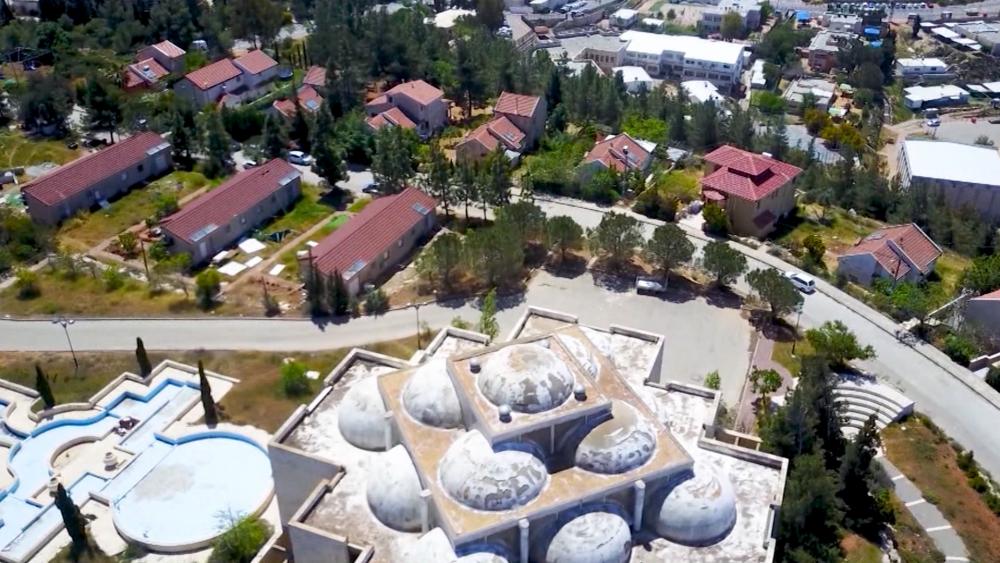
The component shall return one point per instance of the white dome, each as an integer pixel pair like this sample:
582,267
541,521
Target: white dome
581,353
617,445
698,511
394,491
435,546
592,537
528,377
430,397
478,477
362,415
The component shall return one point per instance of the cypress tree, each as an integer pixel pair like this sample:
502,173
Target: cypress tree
343,302
75,524
42,386
207,402
332,294
145,368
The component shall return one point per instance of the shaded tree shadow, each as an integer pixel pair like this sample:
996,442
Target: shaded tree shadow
722,297
571,267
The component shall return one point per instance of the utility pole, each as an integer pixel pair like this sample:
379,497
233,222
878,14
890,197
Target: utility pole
798,316
416,307
145,263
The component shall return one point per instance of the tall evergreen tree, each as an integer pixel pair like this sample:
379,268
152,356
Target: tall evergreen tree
332,293
207,402
73,520
315,290
275,143
438,182
342,304
216,144
42,386
488,315
466,186
145,367
859,478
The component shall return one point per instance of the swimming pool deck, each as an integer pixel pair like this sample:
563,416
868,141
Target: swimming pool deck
167,489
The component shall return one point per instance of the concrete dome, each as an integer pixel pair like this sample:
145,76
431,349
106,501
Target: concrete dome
528,377
581,353
430,397
435,546
617,445
361,415
479,477
699,511
394,491
598,536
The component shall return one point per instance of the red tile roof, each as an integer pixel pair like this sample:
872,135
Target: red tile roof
236,195
315,76
418,90
611,153
989,296
169,49
255,62
896,247
392,116
516,104
82,173
307,97
747,175
371,232
146,71
214,74
496,131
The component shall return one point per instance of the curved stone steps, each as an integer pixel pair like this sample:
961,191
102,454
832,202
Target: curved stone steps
860,397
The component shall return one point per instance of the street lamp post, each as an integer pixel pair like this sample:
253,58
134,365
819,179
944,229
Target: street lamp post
798,316
416,307
64,322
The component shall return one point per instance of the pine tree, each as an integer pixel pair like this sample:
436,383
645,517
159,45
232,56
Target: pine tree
207,402
73,520
438,179
275,137
145,368
300,129
42,386
487,319
216,142
466,186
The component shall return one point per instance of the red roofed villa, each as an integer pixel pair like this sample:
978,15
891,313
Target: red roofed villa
97,177
755,190
221,217
375,240
168,55
620,152
315,77
234,80
144,74
518,123
422,104
307,98
898,252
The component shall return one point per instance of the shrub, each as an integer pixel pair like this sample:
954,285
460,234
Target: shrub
207,286
993,378
376,302
716,221
712,380
959,349
26,283
979,484
113,278
459,322
240,543
294,381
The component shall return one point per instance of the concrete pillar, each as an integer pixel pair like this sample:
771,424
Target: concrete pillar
388,430
425,510
523,526
640,504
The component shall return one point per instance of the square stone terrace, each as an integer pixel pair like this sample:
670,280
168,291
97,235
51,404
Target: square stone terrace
453,341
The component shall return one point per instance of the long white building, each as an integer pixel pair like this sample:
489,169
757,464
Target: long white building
967,175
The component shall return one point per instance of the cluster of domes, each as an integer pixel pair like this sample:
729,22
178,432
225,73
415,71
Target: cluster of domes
394,491
479,477
361,416
621,443
529,378
599,534
698,511
430,397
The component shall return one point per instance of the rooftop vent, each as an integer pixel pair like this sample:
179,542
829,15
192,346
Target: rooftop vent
474,365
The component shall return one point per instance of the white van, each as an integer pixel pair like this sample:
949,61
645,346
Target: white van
803,282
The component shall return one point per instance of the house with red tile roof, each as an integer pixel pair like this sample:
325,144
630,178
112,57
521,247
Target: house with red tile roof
306,97
219,218
230,80
983,313
315,77
372,242
897,253
143,74
620,153
166,54
517,125
92,180
755,190
422,104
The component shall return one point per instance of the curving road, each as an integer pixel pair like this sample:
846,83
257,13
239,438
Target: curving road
962,405
991,7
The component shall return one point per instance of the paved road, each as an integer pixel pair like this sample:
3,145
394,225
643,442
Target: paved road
899,15
949,394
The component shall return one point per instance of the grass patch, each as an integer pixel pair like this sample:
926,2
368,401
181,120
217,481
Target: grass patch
257,400
950,267
289,258
307,211
835,226
782,354
859,550
925,455
86,296
16,149
359,204
86,230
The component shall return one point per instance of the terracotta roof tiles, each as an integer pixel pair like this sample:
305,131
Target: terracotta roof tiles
516,104
896,247
255,62
611,152
747,175
420,91
214,74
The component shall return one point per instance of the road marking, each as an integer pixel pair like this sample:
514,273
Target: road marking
898,477
915,502
939,528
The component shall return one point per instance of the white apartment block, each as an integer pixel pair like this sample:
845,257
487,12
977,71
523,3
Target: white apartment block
712,16
684,57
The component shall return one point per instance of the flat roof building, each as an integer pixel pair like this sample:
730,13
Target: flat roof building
967,175
917,97
685,57
555,445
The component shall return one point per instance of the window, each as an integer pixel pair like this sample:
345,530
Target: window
386,255
274,198
243,220
140,168
399,243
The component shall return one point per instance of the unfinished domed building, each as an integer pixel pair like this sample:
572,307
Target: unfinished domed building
560,445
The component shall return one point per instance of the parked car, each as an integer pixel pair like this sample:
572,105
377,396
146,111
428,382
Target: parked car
646,284
249,164
371,188
933,122
802,281
299,157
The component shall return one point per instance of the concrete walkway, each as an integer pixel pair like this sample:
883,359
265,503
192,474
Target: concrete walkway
746,415
926,514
